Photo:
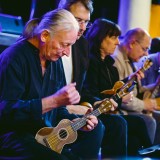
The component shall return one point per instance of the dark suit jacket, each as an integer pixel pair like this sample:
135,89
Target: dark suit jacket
80,60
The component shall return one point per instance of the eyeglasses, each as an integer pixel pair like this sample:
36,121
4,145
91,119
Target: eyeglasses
144,49
86,22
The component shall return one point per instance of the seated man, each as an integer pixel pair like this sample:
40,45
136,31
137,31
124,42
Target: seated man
134,45
33,95
150,84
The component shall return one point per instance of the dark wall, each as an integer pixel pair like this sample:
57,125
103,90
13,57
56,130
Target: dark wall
155,1
102,8
42,6
106,8
16,8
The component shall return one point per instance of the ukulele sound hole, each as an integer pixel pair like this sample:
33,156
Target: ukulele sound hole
62,133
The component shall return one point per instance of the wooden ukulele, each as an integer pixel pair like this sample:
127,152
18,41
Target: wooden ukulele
66,131
147,64
115,88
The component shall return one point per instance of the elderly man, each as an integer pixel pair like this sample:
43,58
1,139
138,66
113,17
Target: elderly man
134,45
33,94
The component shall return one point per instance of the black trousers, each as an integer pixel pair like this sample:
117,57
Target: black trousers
114,142
124,135
139,133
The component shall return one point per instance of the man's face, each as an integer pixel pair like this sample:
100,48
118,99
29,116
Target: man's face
58,45
82,15
139,49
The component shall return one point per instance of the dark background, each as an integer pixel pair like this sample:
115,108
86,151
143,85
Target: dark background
102,8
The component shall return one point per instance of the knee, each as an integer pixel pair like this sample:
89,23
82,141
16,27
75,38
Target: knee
115,124
100,128
120,123
149,121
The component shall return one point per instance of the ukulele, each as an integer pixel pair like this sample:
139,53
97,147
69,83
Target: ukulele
66,131
147,64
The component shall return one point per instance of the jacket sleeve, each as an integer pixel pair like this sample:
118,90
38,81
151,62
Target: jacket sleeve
62,113
15,110
90,91
136,105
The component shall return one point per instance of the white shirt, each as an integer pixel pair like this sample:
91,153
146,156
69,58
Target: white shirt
68,67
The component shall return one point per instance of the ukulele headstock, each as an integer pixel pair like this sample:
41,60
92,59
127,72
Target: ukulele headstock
105,106
128,87
147,64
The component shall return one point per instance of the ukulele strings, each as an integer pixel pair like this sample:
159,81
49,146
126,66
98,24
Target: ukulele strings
54,139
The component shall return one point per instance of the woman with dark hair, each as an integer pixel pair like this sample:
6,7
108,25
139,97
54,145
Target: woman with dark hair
103,38
105,29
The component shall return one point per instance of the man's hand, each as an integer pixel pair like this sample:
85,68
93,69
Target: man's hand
150,104
128,98
92,121
139,74
65,96
113,103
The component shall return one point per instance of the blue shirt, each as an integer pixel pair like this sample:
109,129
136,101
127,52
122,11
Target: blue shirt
22,87
152,73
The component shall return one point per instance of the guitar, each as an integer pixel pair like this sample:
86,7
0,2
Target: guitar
147,64
66,131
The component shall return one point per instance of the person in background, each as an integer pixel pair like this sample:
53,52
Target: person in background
151,82
103,38
134,45
152,90
155,45
78,65
151,75
33,92
75,65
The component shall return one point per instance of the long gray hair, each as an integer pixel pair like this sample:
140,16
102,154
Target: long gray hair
53,21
